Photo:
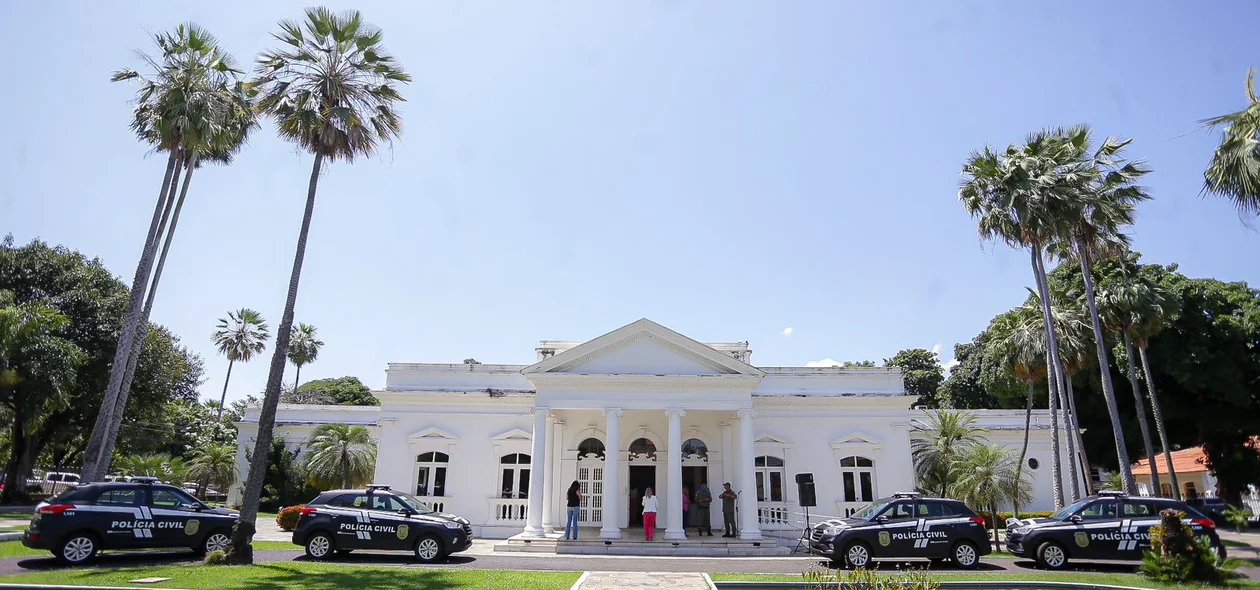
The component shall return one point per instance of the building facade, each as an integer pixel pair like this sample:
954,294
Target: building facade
644,407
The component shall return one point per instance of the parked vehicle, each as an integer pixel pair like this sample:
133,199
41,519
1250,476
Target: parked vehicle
1109,525
1213,508
82,521
905,525
340,521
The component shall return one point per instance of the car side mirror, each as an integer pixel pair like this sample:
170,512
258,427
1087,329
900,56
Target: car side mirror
404,512
881,518
1075,518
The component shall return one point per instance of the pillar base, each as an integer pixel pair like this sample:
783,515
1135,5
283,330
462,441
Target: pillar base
610,534
671,535
534,531
750,536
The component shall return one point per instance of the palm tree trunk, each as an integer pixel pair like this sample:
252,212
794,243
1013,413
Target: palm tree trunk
1052,374
240,551
223,398
92,456
993,511
297,377
1023,452
1104,368
1069,424
1159,422
1083,459
107,451
1140,407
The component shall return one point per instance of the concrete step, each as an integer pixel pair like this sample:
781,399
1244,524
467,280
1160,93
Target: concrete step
702,547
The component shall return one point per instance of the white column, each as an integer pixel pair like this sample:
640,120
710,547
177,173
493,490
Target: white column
748,527
537,459
612,471
673,492
554,475
549,464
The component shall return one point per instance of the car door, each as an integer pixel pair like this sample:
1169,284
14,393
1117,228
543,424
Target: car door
117,514
176,518
353,522
937,529
390,528
1137,518
896,531
1096,535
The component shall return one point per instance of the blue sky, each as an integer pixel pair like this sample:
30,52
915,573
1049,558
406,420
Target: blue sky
728,169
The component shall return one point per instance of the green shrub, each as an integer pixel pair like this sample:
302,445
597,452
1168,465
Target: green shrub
1237,516
868,579
287,517
216,557
1177,557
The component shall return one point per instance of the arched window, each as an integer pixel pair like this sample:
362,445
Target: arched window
694,448
431,473
770,475
591,448
858,475
514,475
642,448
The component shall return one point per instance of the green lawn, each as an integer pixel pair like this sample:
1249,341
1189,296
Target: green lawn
16,549
22,515
311,575
1133,580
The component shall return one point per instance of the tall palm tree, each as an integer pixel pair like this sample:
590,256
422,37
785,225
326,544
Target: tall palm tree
1016,338
239,337
1116,301
988,479
304,348
215,464
1234,172
340,455
1104,200
332,91
179,107
940,440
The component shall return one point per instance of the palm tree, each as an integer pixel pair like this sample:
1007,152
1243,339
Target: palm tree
340,455
332,91
180,108
1022,196
1116,301
303,349
1105,195
215,464
1234,172
989,478
239,339
1016,337
940,440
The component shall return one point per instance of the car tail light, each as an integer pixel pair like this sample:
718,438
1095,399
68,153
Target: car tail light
56,508
1204,522
306,510
978,520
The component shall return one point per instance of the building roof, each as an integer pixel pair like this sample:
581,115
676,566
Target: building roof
1189,460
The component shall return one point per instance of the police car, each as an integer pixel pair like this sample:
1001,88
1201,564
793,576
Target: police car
906,525
140,514
1109,525
378,518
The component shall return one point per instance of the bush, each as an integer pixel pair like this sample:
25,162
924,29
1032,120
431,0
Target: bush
1177,557
1237,516
1003,515
867,579
287,518
216,557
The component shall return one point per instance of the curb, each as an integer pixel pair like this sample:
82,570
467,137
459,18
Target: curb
950,585
11,536
578,584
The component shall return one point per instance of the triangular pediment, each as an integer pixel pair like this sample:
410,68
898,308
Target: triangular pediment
643,348
515,434
855,438
432,434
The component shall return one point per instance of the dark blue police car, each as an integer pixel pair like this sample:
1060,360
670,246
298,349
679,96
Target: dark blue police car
380,519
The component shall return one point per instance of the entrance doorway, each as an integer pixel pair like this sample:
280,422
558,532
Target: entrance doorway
692,477
642,477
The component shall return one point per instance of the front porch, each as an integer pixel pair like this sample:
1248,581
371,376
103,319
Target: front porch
589,543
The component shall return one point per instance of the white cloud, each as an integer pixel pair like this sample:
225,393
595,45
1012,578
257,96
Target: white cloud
827,362
950,364
936,348
787,331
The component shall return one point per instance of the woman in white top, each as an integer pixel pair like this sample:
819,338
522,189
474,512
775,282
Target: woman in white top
649,513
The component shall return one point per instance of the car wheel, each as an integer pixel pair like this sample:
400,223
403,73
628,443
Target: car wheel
216,541
965,555
857,554
77,548
429,549
319,546
1052,556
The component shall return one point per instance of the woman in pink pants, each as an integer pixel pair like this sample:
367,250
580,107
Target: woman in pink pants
649,513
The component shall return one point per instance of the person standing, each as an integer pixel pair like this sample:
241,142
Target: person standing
649,513
686,508
574,505
728,497
703,522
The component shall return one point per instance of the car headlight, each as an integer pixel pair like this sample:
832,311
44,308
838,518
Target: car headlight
450,524
834,530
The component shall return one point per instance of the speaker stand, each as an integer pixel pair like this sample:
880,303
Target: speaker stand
804,540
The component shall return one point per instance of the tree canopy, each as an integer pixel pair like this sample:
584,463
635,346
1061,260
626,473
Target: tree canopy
921,374
341,391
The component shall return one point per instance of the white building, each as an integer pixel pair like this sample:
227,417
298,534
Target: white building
500,444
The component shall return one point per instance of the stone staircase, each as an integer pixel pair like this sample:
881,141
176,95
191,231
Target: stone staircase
637,546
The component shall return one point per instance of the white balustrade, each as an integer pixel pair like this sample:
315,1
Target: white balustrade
509,510
846,509
437,503
774,515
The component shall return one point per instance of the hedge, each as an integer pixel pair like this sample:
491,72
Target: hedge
1003,515
287,517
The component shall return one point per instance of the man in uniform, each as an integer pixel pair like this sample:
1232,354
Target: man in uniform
728,497
703,498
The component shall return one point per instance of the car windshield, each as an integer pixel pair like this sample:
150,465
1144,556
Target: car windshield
415,504
1069,510
866,512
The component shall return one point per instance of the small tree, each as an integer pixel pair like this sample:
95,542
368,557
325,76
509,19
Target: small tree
937,443
340,455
